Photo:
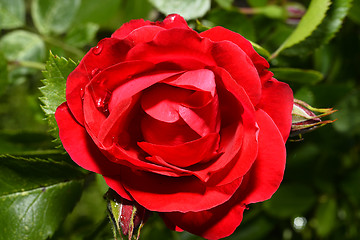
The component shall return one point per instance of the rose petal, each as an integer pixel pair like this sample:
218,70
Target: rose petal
171,21
120,73
192,50
218,33
238,64
133,86
163,133
109,52
238,134
117,122
203,120
92,115
143,34
128,27
135,159
267,172
185,154
80,146
117,187
202,79
162,102
277,102
168,194
215,223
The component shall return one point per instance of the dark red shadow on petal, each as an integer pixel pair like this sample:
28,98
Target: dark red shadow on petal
170,134
186,154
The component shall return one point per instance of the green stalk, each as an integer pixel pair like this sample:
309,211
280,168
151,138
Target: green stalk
76,51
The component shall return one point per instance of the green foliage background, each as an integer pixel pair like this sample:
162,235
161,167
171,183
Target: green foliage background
43,195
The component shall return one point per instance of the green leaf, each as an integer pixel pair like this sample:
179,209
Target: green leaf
325,217
189,9
350,184
89,212
290,200
226,4
348,116
35,196
232,20
12,14
325,31
305,94
81,35
57,70
134,9
297,75
53,16
257,3
25,143
96,11
3,74
354,12
22,45
315,14
254,230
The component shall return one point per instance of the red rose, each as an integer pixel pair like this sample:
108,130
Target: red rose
188,125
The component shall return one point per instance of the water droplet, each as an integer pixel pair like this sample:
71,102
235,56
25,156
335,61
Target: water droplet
172,17
102,102
82,93
94,72
101,98
97,50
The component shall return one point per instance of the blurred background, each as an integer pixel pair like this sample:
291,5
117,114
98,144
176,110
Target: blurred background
320,194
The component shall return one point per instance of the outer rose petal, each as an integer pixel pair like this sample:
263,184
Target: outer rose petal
220,34
235,61
80,146
266,174
112,51
167,194
192,50
277,101
116,185
214,223
171,21
128,27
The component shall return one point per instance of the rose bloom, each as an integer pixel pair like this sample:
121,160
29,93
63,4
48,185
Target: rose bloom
192,126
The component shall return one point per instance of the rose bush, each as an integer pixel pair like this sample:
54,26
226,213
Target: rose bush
189,125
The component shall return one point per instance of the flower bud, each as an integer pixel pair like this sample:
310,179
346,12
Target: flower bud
304,118
295,11
128,217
